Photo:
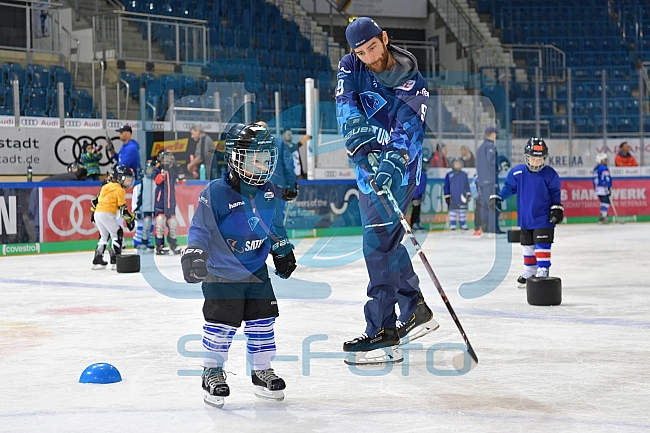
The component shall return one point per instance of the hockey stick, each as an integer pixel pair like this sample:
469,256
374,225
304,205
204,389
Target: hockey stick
618,219
458,360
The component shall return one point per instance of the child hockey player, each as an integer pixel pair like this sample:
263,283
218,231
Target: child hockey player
144,195
166,175
230,236
111,199
539,208
457,194
417,197
603,184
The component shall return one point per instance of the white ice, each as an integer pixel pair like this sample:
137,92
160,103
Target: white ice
578,367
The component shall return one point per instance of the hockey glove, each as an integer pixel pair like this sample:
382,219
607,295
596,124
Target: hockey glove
193,262
289,195
390,172
124,212
359,137
465,198
284,265
130,224
448,199
557,214
495,202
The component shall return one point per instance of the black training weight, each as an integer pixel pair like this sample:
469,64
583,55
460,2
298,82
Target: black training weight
128,263
544,291
514,235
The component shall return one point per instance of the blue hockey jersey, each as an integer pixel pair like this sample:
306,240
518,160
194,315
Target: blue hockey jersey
602,179
457,186
236,230
395,103
536,193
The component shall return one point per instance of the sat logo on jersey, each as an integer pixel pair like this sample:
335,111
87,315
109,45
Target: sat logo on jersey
248,245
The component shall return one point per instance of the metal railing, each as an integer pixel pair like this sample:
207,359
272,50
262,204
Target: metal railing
183,39
428,47
43,38
550,59
468,35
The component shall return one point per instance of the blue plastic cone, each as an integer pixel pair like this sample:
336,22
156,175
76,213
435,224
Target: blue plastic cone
100,373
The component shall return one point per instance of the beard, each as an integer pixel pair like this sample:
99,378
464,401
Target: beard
380,64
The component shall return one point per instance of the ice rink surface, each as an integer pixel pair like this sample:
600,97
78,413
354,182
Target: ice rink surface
578,367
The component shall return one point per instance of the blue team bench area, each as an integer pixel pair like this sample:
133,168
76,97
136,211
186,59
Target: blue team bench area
49,217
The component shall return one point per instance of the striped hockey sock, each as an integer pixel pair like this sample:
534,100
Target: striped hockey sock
260,345
452,219
217,338
603,209
462,214
530,261
543,255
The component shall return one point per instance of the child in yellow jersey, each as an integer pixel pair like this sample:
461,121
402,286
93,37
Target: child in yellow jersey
111,200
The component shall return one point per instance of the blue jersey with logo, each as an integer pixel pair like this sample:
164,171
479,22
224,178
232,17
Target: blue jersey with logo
397,114
457,186
536,193
236,230
602,179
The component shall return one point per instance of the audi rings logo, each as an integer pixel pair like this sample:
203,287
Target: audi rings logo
71,123
113,124
28,122
68,149
76,215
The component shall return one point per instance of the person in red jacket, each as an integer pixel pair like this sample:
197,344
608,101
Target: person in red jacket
624,158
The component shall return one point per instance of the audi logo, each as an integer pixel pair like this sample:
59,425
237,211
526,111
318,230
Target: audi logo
158,127
72,123
68,148
76,215
28,122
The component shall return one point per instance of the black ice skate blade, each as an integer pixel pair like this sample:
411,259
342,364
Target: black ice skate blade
213,400
266,394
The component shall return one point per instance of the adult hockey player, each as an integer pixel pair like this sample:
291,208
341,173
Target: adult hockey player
229,239
603,185
488,180
381,102
111,199
166,175
144,197
539,207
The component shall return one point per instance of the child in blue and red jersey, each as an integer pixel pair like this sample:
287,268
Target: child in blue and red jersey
539,207
603,185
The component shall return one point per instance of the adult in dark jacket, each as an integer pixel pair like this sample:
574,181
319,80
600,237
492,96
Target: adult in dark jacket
487,182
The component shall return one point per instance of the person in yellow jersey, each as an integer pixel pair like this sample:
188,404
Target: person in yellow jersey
111,200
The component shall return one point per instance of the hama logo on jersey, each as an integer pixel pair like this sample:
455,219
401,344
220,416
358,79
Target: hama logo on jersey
252,222
248,245
407,86
372,102
236,204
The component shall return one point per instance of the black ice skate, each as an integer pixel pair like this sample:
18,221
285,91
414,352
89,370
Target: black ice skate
421,323
174,248
113,260
523,279
161,250
215,386
98,261
268,385
378,349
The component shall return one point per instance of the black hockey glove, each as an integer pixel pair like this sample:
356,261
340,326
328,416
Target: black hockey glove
557,214
284,265
193,262
466,198
390,171
130,224
359,137
495,202
289,195
448,199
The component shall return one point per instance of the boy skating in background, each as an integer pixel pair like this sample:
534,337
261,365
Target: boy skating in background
229,239
111,200
539,207
457,194
603,185
144,197
166,175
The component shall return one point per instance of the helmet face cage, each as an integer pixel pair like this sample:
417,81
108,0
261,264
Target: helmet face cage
536,153
255,167
149,167
166,158
123,175
457,164
74,167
